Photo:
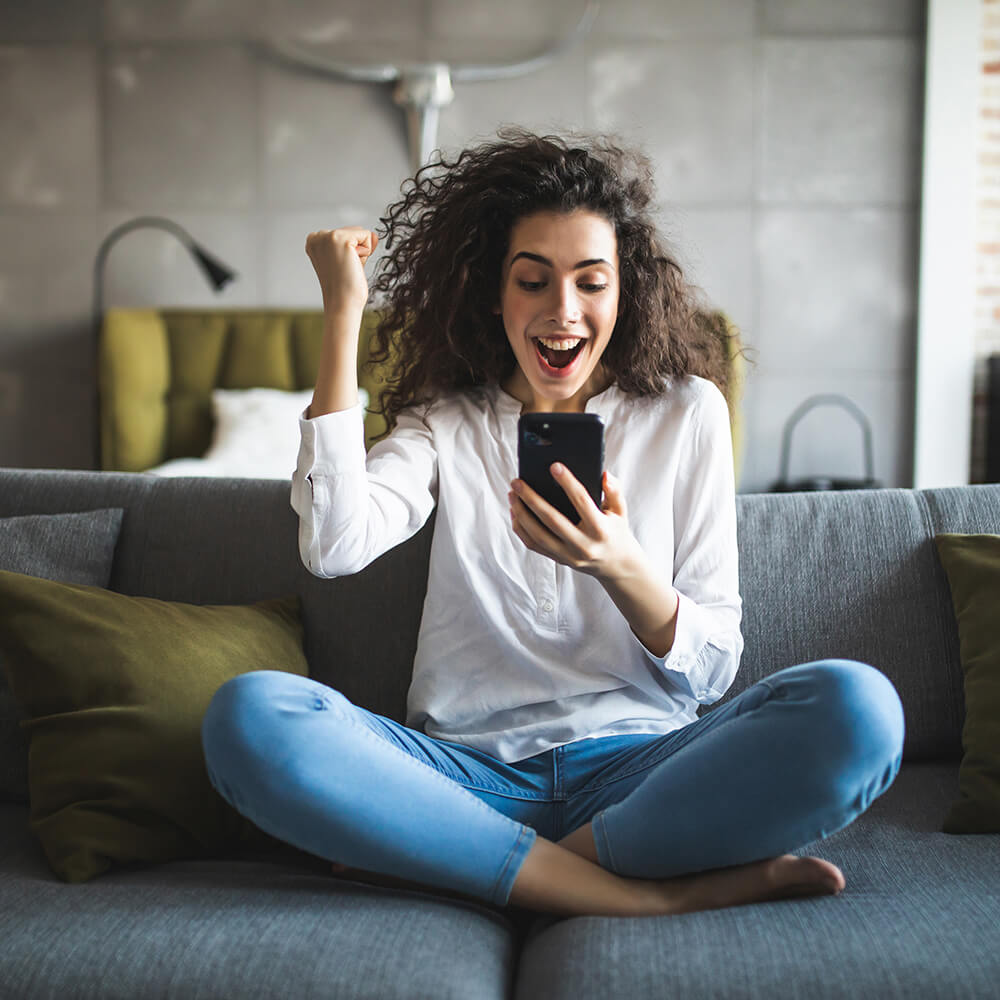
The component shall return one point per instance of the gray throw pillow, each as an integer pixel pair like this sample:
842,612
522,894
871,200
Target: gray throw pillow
69,548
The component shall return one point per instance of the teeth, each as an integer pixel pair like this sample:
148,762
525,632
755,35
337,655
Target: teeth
560,345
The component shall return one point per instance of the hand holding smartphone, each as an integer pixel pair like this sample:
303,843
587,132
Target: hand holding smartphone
574,439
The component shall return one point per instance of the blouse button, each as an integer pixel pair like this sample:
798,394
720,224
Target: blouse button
547,606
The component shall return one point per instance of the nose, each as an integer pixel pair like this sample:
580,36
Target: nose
565,306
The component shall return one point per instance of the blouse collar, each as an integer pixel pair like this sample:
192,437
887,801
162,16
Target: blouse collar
598,403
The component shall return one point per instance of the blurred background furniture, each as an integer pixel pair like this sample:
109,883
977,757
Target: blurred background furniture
159,369
217,274
826,482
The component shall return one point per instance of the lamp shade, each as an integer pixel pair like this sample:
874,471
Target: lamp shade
216,272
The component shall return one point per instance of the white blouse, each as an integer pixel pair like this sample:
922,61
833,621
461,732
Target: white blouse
517,654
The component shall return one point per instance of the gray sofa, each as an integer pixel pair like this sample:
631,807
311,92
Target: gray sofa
838,574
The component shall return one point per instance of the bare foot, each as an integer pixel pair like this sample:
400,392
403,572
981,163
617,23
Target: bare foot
783,877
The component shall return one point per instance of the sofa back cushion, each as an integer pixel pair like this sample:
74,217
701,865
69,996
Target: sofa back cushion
822,574
856,575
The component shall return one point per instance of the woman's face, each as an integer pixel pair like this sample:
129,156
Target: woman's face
559,303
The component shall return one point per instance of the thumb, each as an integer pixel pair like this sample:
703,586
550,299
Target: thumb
614,499
366,245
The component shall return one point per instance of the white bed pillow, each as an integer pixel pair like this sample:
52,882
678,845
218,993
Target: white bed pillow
256,435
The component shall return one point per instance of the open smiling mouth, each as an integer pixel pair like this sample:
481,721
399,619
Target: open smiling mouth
557,354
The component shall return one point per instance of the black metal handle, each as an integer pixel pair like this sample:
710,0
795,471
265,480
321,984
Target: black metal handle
834,400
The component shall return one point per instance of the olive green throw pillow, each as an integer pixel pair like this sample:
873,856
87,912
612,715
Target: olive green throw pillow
972,563
114,689
73,548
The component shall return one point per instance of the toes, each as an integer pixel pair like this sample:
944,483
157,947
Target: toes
805,876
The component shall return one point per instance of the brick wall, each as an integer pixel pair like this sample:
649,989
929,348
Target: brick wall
987,335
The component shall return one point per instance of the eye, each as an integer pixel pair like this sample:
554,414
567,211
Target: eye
588,287
530,286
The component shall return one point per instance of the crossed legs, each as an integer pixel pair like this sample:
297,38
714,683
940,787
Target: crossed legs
789,761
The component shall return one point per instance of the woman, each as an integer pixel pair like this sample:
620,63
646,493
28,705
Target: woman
553,757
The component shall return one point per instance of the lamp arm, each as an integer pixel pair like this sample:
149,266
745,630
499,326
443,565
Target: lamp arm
140,222
202,258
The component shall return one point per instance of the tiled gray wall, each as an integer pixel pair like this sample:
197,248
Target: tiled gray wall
786,136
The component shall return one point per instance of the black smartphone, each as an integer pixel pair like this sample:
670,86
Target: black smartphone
576,440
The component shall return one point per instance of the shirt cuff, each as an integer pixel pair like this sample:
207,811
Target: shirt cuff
683,664
334,442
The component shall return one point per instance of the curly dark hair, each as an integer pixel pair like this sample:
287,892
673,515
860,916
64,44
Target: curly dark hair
447,238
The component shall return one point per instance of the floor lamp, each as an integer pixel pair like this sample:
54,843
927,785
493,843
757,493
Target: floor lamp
216,273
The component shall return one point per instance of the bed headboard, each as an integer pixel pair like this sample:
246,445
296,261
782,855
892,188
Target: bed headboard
157,369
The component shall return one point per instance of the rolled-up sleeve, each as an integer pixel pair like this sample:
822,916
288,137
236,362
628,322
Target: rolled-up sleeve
353,506
707,646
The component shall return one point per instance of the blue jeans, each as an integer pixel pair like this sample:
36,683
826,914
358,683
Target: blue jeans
792,759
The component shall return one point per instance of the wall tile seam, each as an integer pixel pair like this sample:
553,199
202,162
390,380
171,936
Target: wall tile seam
257,210
255,38
828,206
22,212
192,43
850,36
343,47
5,44
674,212
807,205
867,374
709,36
588,84
656,39
652,39
103,138
752,336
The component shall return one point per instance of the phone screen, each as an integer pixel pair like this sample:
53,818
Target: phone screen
576,440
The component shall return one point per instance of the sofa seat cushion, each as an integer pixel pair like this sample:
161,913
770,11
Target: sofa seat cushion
253,930
918,918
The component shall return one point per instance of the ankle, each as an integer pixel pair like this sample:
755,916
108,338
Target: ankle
556,880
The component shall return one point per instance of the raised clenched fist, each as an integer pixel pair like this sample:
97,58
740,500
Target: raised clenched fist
338,257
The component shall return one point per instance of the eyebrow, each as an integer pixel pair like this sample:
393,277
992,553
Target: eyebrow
548,263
